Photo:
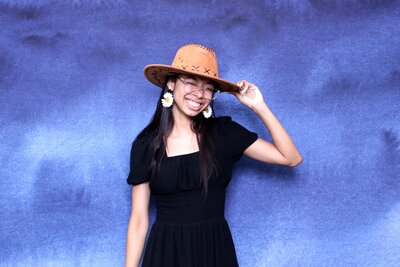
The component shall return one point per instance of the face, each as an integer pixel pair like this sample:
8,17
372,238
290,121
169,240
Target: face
188,97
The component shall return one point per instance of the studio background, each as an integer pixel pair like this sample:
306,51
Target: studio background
73,97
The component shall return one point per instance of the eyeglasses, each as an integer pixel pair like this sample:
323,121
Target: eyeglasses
209,92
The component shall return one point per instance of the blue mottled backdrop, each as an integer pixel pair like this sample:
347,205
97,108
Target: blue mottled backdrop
73,97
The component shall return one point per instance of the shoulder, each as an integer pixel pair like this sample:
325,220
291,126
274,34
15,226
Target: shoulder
144,138
221,121
139,159
226,123
142,143
233,138
229,128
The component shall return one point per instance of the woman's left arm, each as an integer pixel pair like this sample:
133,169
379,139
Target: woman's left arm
283,151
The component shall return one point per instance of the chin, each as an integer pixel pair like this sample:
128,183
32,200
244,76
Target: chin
192,114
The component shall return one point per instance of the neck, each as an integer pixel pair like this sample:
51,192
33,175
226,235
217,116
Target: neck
182,124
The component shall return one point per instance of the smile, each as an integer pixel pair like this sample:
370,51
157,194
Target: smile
193,105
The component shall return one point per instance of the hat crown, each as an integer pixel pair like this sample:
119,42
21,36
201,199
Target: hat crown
197,58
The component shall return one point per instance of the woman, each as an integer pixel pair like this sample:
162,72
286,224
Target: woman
184,157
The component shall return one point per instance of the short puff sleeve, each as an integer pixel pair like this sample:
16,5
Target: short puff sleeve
234,137
139,162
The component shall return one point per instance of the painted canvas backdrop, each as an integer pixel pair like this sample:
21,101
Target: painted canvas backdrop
73,97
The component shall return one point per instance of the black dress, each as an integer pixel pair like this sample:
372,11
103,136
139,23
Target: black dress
188,232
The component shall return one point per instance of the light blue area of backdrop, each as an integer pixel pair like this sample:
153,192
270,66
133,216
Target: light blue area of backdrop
73,97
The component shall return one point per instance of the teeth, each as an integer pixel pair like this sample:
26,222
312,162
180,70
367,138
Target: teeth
194,103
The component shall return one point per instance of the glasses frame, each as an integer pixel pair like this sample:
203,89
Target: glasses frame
214,94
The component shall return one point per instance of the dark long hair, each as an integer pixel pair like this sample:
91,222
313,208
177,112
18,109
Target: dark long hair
160,127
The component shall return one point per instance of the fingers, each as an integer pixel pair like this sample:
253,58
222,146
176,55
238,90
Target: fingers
245,85
241,83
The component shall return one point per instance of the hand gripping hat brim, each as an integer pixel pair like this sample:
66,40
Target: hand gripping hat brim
191,59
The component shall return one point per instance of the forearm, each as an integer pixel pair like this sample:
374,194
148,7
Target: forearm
280,137
136,237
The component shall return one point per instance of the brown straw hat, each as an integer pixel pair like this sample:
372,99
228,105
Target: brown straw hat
191,59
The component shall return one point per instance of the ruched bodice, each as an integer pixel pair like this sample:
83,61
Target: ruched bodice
188,231
177,173
189,207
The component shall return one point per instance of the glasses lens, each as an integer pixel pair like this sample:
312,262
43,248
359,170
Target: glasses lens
209,92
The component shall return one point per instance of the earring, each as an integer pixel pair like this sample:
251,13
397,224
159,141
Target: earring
168,99
207,112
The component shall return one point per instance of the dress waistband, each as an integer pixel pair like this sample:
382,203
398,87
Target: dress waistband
189,207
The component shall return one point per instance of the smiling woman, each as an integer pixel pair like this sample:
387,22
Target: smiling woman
185,158
197,97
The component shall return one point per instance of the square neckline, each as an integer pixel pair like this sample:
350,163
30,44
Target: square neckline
181,155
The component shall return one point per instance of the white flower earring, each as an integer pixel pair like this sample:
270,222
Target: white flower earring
168,99
207,112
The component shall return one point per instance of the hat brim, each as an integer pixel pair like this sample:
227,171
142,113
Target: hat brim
156,74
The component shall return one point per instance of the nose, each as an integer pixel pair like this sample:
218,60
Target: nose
199,92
